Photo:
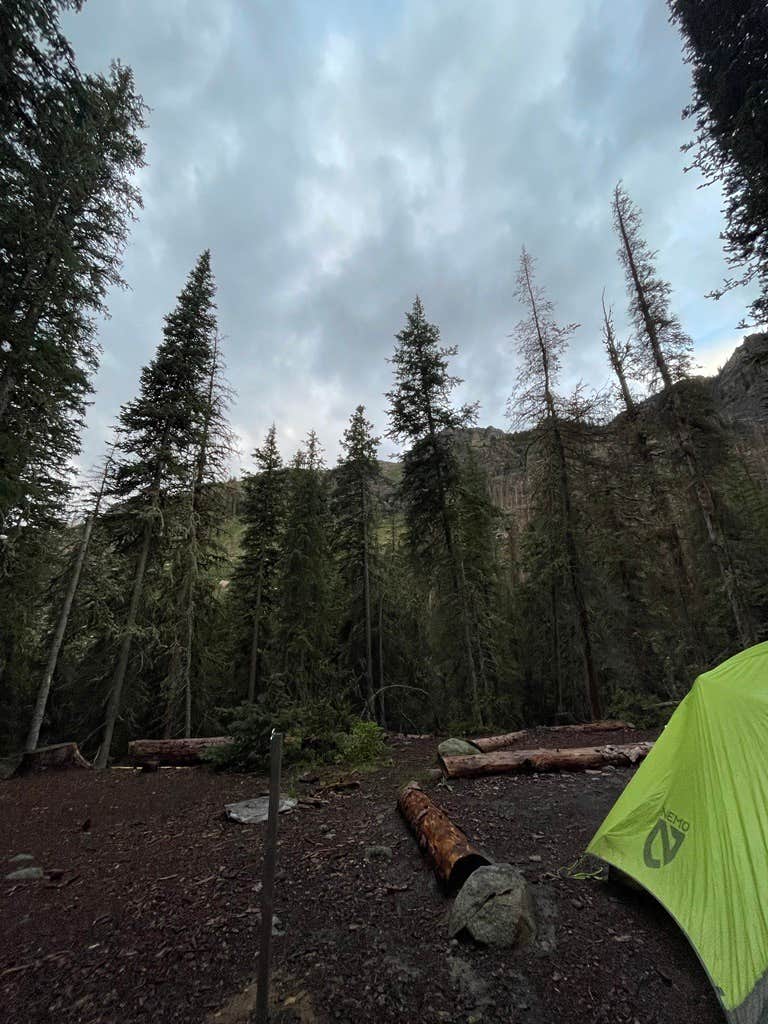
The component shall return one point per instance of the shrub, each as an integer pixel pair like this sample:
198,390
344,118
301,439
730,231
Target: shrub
362,744
318,732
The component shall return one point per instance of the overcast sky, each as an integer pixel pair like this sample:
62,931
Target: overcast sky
339,156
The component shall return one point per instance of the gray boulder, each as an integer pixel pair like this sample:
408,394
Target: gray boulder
494,905
253,812
455,748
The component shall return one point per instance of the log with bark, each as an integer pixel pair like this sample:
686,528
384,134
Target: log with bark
542,759
452,855
605,725
488,743
174,753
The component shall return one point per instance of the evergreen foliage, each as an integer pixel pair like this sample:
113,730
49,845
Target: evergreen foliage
726,45
254,581
354,543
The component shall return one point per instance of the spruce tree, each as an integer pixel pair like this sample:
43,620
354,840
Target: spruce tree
303,639
662,356
255,579
541,342
725,44
196,548
421,415
160,432
355,542
68,195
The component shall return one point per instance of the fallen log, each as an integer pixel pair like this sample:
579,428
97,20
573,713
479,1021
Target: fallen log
452,855
606,725
174,753
60,755
489,743
542,759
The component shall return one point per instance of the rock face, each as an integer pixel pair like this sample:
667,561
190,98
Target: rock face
456,748
495,907
741,387
253,812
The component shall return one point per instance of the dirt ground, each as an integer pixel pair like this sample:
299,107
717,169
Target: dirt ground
151,913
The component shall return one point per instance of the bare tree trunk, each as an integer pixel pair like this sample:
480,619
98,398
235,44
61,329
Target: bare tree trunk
574,570
61,627
254,663
188,660
370,703
118,679
382,707
556,649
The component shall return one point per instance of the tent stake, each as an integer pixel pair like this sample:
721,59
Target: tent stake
268,883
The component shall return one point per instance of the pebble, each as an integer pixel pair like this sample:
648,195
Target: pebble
25,875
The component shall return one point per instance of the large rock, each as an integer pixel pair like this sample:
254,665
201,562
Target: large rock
456,748
253,812
495,907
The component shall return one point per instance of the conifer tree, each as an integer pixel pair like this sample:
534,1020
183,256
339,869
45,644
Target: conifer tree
355,540
67,163
196,545
541,342
305,588
255,578
662,354
159,433
725,44
650,476
422,416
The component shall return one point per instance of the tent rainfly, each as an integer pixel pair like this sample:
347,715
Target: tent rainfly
692,828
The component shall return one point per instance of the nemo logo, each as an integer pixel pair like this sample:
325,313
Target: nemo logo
663,842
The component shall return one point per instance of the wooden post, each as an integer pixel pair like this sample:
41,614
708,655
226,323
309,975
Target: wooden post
268,883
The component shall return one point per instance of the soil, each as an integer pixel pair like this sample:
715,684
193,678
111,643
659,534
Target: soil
150,908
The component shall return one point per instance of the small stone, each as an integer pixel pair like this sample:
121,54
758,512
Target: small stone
535,858
20,857
277,926
25,875
378,853
253,812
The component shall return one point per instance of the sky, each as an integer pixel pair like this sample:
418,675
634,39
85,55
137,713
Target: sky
340,156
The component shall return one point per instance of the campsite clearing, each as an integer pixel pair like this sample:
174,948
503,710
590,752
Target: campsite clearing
155,913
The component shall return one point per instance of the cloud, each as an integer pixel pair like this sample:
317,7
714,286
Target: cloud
339,158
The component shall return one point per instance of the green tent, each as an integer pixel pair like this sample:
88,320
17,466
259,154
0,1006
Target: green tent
692,828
